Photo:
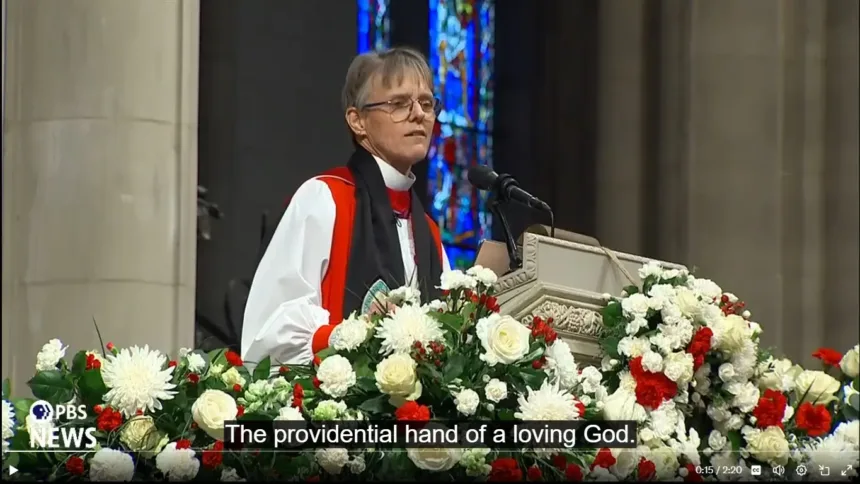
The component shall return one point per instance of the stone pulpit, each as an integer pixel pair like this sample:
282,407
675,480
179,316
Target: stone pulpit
567,278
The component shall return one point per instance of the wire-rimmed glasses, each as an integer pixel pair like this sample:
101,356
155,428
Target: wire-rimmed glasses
400,107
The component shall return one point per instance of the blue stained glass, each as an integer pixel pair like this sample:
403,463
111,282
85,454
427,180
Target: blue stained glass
461,58
374,25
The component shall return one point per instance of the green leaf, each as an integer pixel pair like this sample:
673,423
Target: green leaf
366,384
505,414
362,366
736,440
610,346
453,368
376,405
217,357
11,460
92,388
325,353
534,354
854,401
52,386
532,378
7,388
264,367
79,363
453,322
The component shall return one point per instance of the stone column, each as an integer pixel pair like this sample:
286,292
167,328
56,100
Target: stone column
100,173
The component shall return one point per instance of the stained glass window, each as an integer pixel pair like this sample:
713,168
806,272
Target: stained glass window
374,25
461,57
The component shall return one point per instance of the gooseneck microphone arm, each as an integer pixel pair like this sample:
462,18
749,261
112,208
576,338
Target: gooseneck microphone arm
516,261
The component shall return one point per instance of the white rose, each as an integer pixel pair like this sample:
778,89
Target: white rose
336,376
769,445
50,354
232,377
456,279
467,401
734,332
688,302
177,464
332,460
395,376
726,372
111,465
636,306
678,367
816,387
140,435
211,409
434,459
505,340
485,276
496,390
850,363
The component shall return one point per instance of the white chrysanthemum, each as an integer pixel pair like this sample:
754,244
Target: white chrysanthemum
404,295
137,379
177,464
8,423
549,402
467,401
196,363
349,334
336,376
289,413
111,465
50,354
407,325
484,275
332,460
456,279
560,364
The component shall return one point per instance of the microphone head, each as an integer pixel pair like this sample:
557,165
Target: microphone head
482,177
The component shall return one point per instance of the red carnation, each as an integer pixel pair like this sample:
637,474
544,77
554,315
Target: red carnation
814,419
171,363
240,410
505,469
492,304
183,444
193,378
108,420
700,345
75,466
653,388
581,407
636,368
828,356
534,473
234,359
604,458
412,411
316,382
298,395
237,387
692,475
573,472
646,469
770,409
212,458
559,461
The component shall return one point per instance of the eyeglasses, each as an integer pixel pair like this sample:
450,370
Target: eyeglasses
400,107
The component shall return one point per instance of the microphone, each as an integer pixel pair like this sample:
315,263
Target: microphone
484,178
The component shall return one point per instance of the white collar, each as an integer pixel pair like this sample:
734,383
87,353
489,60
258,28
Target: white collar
393,178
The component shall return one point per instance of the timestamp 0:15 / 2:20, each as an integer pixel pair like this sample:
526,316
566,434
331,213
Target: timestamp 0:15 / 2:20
719,470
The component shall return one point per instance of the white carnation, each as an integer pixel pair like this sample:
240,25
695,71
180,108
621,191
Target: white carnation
336,376
177,464
652,361
289,413
332,460
661,296
678,367
706,288
404,295
651,268
195,362
634,327
228,474
636,305
357,465
850,363
746,395
664,420
496,390
349,334
456,279
632,347
726,372
408,324
716,440
483,275
561,364
467,401
50,354
111,465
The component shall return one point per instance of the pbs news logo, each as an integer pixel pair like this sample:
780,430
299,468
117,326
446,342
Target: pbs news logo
46,434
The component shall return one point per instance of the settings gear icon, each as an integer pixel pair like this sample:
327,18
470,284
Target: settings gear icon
42,410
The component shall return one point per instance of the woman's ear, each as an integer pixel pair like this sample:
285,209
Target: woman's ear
355,122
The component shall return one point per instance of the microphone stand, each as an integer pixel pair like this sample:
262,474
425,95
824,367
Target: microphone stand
510,241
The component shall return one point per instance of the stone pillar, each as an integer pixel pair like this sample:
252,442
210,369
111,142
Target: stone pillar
100,174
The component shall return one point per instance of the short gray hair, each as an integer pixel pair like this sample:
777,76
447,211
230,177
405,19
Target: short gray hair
391,65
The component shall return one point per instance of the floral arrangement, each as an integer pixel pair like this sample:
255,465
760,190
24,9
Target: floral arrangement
682,358
454,358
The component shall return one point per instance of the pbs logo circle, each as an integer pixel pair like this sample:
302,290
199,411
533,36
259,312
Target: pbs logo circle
42,410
